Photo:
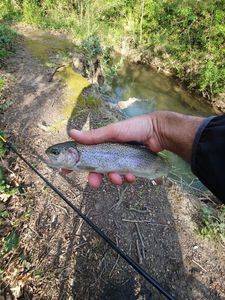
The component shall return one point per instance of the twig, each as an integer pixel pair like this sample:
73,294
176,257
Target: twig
53,74
99,277
139,252
117,259
61,208
194,261
113,268
143,221
121,196
103,258
80,245
5,166
34,231
141,239
142,211
206,197
130,248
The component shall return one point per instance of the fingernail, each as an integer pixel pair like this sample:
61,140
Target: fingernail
75,132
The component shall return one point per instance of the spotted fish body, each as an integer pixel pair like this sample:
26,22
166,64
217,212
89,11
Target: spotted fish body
107,157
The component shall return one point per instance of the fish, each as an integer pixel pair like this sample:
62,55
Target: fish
103,158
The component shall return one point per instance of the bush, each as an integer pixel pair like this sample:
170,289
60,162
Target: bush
213,224
91,46
7,41
32,12
8,11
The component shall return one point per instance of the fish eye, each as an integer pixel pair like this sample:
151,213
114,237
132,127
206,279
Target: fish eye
55,151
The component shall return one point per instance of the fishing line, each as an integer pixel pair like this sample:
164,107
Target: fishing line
128,259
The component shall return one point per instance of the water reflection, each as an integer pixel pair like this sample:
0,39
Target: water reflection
142,82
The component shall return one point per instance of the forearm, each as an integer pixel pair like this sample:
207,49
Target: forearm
176,132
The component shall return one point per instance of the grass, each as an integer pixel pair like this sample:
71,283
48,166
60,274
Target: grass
7,43
212,224
2,147
6,189
2,84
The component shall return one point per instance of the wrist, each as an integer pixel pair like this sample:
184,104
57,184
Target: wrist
176,132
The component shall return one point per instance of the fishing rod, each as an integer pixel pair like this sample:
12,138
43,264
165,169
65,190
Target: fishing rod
99,231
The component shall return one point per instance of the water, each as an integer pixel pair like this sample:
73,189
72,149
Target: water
143,82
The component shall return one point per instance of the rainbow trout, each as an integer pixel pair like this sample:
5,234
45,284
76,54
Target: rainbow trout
107,157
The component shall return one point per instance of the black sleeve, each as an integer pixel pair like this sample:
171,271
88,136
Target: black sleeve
208,155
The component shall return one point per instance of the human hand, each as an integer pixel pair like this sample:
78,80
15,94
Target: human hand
158,131
141,129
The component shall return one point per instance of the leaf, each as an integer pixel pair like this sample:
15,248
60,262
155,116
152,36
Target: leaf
11,242
2,146
4,197
23,257
38,274
4,214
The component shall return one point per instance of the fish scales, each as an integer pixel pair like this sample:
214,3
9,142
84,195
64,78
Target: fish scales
107,157
115,157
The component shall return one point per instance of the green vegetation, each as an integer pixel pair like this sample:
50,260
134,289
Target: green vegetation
2,84
10,243
91,47
7,42
38,274
186,36
9,10
6,190
94,52
2,146
213,223
4,103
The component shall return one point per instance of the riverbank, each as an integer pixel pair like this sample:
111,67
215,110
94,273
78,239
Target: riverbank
56,255
185,39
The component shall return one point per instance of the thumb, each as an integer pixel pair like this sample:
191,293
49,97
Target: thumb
134,129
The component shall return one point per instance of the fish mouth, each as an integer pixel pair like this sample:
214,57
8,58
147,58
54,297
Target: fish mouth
51,161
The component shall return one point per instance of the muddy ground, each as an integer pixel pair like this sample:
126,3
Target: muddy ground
65,259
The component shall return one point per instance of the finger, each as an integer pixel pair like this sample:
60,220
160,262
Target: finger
129,177
95,180
115,178
134,129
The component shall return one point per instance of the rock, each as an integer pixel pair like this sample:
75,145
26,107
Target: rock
91,69
5,228
134,106
79,63
219,103
125,104
2,206
97,75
